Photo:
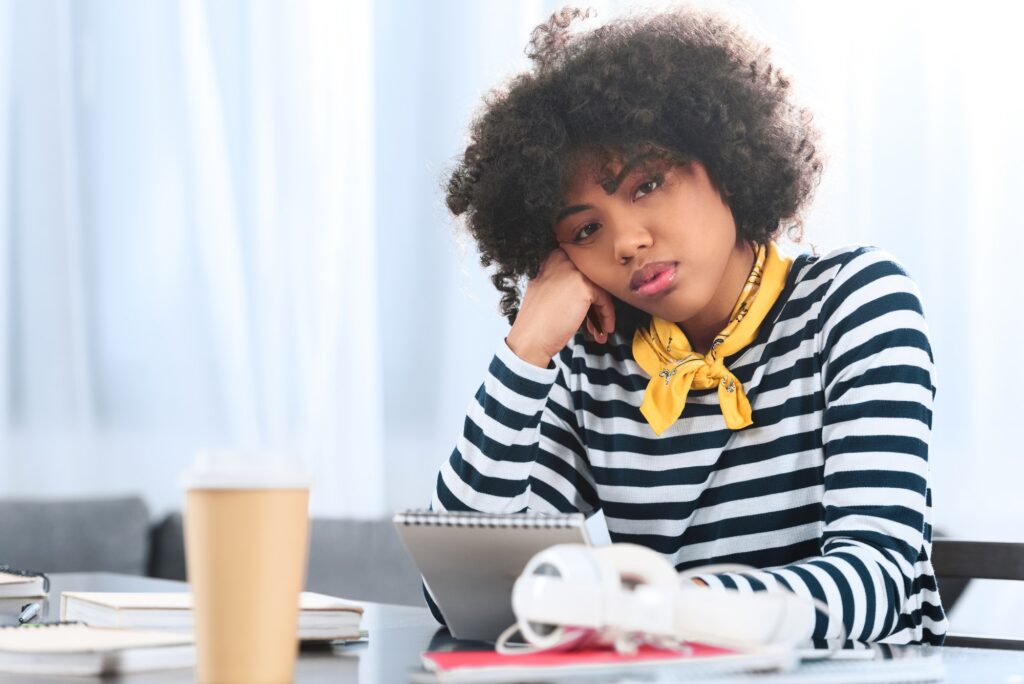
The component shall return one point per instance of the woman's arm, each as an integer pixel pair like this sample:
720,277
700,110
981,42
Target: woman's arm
520,448
878,383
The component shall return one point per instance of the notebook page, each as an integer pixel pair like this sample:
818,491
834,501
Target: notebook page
82,638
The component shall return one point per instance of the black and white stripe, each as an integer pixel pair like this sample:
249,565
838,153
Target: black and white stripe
827,491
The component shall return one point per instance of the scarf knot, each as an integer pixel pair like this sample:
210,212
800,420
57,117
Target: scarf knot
664,352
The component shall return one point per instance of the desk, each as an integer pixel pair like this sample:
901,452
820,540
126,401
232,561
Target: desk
399,633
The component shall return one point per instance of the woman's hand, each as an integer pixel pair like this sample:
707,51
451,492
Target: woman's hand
555,305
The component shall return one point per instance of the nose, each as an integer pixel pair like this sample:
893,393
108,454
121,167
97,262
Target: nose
629,240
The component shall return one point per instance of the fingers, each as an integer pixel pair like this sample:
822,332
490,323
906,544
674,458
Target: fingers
558,269
604,311
593,321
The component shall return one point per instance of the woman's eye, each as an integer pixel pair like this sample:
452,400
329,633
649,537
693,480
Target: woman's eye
647,188
585,232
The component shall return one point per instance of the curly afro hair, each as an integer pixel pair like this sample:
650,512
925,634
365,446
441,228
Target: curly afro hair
686,84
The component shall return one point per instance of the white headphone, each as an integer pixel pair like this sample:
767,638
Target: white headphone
571,595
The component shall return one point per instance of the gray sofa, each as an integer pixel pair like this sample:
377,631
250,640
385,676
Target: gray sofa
355,559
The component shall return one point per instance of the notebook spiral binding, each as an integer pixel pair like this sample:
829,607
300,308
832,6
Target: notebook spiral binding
42,625
492,520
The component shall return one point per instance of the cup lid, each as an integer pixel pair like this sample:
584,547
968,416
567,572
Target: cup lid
245,469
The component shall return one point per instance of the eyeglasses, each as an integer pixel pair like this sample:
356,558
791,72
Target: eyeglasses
27,573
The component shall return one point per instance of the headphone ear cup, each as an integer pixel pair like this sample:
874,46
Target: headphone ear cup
562,587
647,591
634,565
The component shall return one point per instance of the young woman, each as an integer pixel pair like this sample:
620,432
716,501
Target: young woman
730,403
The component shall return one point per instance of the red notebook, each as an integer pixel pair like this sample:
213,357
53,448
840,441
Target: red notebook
489,666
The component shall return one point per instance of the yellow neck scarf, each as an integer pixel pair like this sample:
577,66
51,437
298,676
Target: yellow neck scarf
664,352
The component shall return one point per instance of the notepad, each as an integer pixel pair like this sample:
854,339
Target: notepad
70,649
321,617
27,586
469,561
697,660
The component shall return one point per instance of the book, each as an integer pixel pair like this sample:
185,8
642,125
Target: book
11,610
75,649
19,584
469,561
696,660
321,617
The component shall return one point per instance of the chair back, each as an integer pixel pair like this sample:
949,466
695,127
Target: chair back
958,559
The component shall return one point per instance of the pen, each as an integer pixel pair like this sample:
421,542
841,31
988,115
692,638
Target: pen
29,612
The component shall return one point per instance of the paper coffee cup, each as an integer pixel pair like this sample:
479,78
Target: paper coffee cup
246,541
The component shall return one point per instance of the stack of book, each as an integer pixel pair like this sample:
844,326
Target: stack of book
17,589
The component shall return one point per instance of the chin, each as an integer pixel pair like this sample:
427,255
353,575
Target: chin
672,306
665,313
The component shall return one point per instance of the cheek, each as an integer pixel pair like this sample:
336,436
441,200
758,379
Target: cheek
715,259
589,262
704,259
716,240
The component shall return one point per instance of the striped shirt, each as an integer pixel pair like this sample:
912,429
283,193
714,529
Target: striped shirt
825,495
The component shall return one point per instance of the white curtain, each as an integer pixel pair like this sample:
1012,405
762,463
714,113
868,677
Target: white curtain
222,224
187,255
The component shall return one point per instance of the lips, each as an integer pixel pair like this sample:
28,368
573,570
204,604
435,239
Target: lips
653,278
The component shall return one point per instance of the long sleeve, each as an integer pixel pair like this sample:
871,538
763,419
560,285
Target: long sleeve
878,382
520,448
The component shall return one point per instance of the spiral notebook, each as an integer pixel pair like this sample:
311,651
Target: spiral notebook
469,561
69,648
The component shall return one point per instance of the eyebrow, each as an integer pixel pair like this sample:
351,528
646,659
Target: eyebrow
610,186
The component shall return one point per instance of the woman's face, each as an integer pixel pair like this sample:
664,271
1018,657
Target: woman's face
656,235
